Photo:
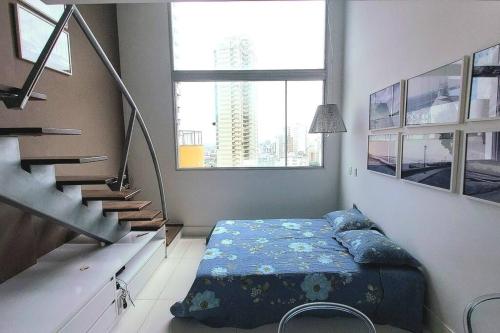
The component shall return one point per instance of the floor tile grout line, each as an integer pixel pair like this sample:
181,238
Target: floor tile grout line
177,265
192,244
185,251
145,317
148,315
157,298
168,279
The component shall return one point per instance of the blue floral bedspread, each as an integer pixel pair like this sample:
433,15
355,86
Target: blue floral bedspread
254,271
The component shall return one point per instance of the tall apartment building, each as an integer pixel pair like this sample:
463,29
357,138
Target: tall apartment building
235,114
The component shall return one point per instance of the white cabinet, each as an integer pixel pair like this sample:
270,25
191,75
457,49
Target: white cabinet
73,288
106,321
87,316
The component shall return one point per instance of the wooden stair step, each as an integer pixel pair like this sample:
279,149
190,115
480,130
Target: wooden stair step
48,160
84,180
37,131
121,206
147,225
9,92
172,231
142,215
174,224
100,195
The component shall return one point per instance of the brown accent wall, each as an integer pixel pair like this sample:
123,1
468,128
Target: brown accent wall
87,100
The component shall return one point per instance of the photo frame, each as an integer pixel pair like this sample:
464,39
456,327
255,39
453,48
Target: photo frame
430,159
383,154
484,85
437,96
386,107
33,31
481,171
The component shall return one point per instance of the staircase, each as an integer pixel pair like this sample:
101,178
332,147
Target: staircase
31,184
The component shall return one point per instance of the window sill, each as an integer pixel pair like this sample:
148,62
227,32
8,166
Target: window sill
250,168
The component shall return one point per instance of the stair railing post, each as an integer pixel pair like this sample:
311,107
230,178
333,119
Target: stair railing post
40,63
109,66
126,149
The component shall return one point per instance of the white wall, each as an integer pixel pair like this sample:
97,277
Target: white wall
455,238
200,198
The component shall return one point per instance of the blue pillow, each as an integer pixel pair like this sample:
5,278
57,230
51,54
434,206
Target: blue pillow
350,219
371,247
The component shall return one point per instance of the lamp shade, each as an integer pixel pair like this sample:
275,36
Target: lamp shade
327,120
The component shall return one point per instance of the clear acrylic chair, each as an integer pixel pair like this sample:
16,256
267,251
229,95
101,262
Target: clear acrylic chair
482,315
325,306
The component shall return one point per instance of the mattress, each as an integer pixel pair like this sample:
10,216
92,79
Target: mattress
254,271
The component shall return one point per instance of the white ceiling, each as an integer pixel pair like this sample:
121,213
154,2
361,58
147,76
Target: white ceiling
49,2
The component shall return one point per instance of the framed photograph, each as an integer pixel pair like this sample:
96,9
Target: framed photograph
484,96
482,166
429,159
383,153
52,12
32,34
386,107
435,97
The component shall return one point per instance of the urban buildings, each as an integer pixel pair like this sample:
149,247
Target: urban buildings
232,111
235,108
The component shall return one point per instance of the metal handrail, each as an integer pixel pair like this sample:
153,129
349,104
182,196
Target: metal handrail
325,306
467,318
136,114
36,71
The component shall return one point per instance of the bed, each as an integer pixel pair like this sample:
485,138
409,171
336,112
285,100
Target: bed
254,271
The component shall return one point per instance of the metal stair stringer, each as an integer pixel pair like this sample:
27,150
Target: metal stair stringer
30,193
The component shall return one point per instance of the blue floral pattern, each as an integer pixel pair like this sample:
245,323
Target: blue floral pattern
265,269
212,253
371,247
204,301
219,272
226,241
316,286
219,230
301,247
291,225
254,271
350,219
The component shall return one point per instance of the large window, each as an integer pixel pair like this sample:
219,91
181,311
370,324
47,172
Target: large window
248,78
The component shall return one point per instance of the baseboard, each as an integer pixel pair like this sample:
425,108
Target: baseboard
434,324
188,231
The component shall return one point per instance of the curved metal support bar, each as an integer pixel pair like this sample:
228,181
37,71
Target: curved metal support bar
123,89
473,305
325,306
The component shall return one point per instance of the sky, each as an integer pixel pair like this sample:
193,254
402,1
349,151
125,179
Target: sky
284,35
435,148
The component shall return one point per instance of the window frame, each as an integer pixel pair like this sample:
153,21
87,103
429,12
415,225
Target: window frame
285,75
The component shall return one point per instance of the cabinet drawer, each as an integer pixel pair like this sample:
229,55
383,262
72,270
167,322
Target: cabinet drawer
93,310
142,277
106,321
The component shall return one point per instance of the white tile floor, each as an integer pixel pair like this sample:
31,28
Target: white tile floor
171,282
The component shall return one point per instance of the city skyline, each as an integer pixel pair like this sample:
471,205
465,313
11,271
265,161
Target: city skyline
277,113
